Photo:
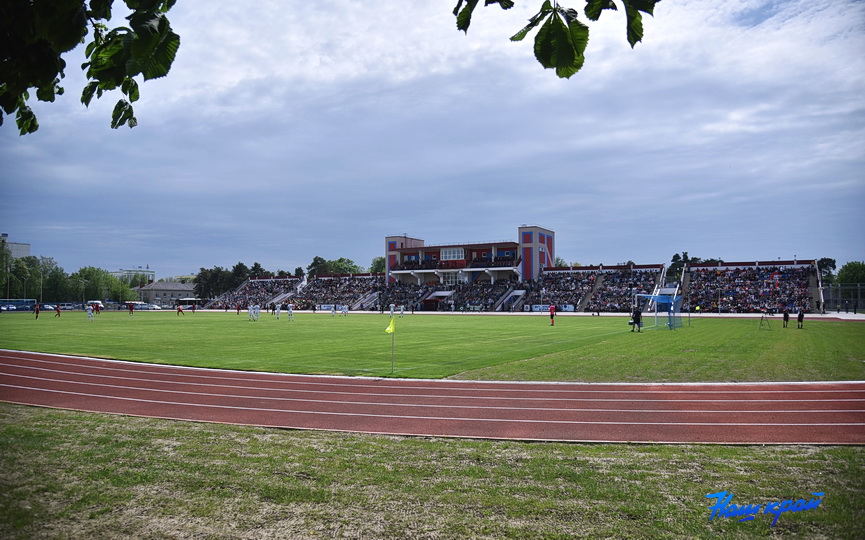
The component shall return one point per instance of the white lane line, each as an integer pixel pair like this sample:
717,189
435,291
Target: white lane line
445,418
413,395
431,406
354,382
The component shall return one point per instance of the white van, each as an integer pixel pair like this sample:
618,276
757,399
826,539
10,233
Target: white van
95,303
66,306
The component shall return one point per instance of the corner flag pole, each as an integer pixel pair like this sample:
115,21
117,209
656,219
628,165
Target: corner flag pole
390,330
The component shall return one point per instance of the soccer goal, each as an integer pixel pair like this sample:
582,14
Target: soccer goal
667,309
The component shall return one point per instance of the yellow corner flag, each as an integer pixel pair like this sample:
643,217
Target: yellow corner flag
390,327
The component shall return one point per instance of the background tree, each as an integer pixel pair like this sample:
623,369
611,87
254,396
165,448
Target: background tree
55,282
35,34
826,267
239,274
299,272
344,266
318,267
852,272
5,269
377,265
210,283
96,283
560,263
19,275
258,271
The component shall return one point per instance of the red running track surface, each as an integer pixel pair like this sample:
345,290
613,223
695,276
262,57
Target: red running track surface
775,413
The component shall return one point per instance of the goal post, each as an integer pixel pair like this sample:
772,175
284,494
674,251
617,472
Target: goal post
667,309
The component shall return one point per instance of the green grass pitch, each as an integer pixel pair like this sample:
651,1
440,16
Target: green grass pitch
591,349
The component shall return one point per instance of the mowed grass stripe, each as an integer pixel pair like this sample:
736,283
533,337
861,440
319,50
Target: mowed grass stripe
589,349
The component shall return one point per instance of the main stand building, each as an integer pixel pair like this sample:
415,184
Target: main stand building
409,260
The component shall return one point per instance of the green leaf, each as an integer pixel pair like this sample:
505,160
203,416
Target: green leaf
546,9
26,120
553,46
635,25
579,36
47,92
159,62
646,6
100,9
464,15
130,88
87,93
122,114
635,19
595,7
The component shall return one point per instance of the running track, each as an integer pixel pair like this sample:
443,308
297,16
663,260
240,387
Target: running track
821,413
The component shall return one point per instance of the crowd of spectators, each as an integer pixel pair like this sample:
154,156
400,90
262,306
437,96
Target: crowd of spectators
403,294
494,262
749,290
478,296
560,288
255,291
724,290
478,262
342,290
616,290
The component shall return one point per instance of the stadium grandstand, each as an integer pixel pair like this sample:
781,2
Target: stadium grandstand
518,276
752,287
260,291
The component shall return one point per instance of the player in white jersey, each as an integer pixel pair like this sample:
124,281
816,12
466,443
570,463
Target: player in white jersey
89,313
278,309
290,312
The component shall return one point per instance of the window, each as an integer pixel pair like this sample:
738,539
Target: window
450,279
453,254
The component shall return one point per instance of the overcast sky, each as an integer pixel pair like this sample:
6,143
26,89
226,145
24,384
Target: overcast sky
289,130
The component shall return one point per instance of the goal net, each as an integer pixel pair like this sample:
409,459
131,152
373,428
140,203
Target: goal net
667,310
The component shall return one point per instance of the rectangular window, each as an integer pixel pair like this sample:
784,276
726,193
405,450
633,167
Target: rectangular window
453,254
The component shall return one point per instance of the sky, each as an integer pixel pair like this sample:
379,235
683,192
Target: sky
290,130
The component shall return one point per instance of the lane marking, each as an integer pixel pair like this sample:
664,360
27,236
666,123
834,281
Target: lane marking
444,386
416,395
436,418
426,405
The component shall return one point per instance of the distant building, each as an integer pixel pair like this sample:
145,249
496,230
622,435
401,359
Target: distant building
182,279
165,293
127,276
17,249
408,260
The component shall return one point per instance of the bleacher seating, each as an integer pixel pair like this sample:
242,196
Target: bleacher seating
749,289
